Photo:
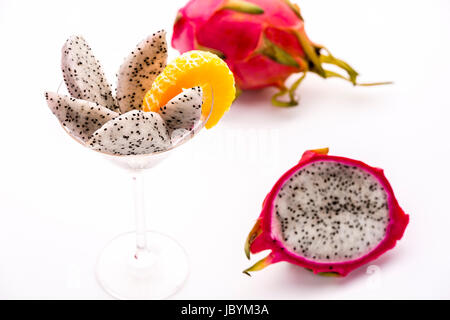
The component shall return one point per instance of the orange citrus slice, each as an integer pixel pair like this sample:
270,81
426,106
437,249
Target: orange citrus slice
191,69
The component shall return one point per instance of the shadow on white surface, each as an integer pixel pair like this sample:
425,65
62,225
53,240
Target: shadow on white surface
254,109
293,278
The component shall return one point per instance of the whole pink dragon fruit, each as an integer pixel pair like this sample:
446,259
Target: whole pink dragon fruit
328,214
262,41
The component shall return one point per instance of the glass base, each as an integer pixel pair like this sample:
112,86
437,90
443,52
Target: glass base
156,273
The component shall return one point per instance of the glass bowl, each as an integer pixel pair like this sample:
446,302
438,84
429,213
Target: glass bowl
142,264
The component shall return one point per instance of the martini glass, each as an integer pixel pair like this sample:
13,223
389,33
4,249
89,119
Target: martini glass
142,264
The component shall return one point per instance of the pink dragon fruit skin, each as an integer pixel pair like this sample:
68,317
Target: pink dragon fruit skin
262,236
262,41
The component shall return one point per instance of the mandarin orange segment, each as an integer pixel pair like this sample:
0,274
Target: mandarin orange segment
195,68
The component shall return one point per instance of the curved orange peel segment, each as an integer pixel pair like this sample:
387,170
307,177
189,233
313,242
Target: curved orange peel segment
195,68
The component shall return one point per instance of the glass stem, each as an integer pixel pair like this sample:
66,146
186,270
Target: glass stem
141,241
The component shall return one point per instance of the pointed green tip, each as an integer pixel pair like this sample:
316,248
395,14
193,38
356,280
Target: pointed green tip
178,17
277,54
374,84
261,264
247,250
246,272
243,6
254,233
321,150
294,8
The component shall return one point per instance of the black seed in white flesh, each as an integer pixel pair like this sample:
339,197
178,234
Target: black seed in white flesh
331,212
184,111
139,69
82,118
83,74
132,133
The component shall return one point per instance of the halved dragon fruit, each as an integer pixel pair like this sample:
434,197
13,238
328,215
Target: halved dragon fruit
328,214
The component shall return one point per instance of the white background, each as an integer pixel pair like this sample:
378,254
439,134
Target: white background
61,203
